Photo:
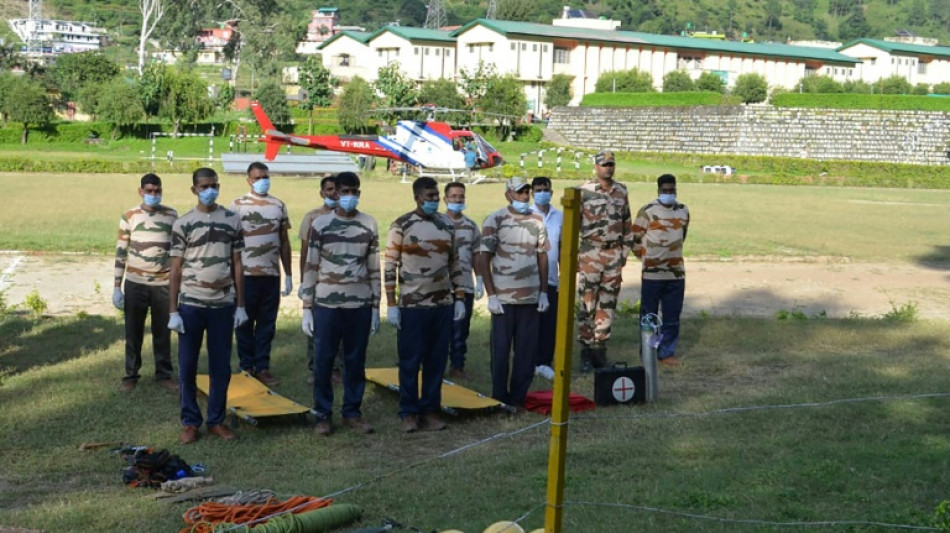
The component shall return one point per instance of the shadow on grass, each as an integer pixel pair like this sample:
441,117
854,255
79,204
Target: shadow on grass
26,343
938,258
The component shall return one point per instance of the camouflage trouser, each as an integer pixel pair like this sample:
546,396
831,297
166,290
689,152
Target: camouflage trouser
598,285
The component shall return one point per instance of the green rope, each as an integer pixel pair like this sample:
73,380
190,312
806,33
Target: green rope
317,521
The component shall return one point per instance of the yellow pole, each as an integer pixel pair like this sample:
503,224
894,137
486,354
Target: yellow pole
563,346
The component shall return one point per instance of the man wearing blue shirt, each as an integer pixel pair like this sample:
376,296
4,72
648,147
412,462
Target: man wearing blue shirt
553,219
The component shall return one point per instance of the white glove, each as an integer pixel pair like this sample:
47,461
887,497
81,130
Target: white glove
494,306
392,316
118,299
175,323
543,303
374,323
240,317
479,288
288,286
307,324
459,310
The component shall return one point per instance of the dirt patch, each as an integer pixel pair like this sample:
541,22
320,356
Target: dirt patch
755,287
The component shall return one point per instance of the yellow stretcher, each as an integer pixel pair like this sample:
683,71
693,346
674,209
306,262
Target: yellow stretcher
249,399
454,396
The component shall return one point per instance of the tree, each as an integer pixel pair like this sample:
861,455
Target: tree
152,87
625,81
819,85
517,10
559,91
225,97
855,26
751,88
152,11
120,105
274,101
678,81
185,99
856,87
26,103
396,88
72,72
710,81
442,93
940,88
922,89
506,97
895,84
357,99
317,83
476,82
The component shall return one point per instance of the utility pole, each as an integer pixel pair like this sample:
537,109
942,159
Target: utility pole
435,15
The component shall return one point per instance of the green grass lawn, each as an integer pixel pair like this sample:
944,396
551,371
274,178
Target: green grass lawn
79,213
693,461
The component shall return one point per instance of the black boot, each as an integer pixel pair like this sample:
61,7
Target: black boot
598,357
586,366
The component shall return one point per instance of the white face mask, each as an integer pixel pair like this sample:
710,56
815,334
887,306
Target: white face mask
667,199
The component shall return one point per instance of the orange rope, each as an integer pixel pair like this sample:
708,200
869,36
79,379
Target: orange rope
202,518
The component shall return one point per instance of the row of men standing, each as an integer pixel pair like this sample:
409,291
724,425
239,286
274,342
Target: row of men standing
429,264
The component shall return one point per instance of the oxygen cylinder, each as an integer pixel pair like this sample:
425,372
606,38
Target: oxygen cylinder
649,332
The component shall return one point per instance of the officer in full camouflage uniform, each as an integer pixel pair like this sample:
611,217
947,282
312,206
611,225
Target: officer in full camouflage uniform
340,293
605,242
422,263
205,264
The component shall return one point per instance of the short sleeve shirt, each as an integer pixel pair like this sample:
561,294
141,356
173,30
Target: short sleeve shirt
514,241
141,250
262,219
205,242
659,233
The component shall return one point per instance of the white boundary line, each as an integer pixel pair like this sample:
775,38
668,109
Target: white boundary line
9,272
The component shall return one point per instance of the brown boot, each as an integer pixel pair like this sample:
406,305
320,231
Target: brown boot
323,427
358,425
128,385
168,385
433,422
188,435
222,432
265,377
410,424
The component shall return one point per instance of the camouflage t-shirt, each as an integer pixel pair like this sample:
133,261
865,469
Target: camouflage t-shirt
658,235
514,242
605,217
467,240
262,218
421,255
342,268
141,251
308,221
205,242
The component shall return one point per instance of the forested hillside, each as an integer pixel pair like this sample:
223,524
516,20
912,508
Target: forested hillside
763,20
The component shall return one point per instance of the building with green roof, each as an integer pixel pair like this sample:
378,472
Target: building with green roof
917,63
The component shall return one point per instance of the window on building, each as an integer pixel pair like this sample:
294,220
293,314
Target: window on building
344,60
415,50
921,68
491,47
437,52
513,46
562,55
379,52
534,47
524,46
427,51
448,53
544,48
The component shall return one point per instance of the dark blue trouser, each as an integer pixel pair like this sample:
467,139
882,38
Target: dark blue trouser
547,330
261,301
422,342
218,323
460,330
140,299
668,296
518,326
331,326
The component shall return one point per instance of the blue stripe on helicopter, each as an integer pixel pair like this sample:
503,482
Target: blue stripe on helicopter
397,150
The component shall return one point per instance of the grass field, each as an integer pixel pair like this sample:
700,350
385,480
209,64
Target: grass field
80,213
694,461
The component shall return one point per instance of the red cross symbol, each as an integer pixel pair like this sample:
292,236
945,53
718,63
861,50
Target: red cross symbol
624,389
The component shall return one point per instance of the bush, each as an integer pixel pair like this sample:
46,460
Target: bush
921,89
892,85
626,81
559,91
694,98
820,85
710,81
942,88
863,101
751,88
678,81
857,87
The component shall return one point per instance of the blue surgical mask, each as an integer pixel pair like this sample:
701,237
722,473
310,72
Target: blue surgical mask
456,208
667,199
521,207
430,207
208,196
330,203
542,198
152,200
349,202
261,186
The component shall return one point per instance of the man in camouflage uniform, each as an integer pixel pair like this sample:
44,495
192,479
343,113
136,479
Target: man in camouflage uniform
659,232
329,197
141,257
467,240
513,262
340,293
205,264
264,222
422,263
605,242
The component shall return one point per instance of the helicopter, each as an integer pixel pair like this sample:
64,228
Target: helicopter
423,143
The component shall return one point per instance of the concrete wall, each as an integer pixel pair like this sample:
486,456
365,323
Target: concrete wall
918,137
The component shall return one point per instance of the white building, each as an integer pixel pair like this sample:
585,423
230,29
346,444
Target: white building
917,63
422,54
346,55
44,37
